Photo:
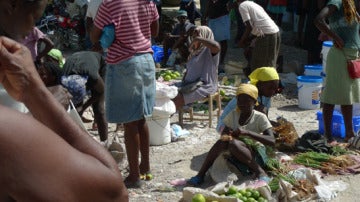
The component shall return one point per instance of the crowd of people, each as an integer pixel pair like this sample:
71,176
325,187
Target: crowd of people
37,88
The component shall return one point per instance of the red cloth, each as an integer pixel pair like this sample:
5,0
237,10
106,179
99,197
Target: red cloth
278,2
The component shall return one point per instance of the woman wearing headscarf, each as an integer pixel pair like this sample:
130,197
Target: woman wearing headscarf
340,89
201,66
266,79
242,125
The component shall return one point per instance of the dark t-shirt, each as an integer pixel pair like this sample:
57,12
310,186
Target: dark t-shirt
217,8
86,63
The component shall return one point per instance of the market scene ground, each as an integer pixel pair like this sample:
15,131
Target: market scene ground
174,162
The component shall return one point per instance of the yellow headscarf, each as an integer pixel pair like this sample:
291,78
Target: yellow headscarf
263,74
248,89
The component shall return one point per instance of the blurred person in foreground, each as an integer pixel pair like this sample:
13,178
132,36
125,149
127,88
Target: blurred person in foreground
130,76
48,156
339,88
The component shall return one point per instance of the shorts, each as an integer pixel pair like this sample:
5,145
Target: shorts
130,89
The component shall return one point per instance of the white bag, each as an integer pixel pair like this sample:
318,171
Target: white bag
165,91
164,108
75,115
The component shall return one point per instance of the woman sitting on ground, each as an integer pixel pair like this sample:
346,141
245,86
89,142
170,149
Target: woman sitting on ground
243,122
266,79
201,66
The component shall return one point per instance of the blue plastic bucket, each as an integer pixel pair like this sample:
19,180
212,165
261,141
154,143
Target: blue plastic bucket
313,70
309,90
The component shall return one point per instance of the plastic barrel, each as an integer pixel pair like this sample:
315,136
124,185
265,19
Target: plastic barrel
313,70
324,52
309,90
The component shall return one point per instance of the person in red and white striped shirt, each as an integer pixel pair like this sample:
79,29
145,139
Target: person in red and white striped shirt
130,75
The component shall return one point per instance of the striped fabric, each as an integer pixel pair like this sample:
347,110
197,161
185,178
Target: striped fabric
132,20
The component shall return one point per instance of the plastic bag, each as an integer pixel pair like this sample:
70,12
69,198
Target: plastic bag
163,108
165,91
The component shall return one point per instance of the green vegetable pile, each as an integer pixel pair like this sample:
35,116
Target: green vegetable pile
312,159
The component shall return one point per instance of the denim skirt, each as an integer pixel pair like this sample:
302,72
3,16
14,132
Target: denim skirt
130,89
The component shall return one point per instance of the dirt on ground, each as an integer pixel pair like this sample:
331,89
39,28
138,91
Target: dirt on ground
182,159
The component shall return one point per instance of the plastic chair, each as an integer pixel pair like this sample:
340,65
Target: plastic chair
189,109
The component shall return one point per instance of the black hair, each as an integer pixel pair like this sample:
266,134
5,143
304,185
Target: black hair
54,69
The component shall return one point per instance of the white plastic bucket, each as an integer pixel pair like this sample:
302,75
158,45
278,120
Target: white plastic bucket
324,52
159,130
313,70
309,90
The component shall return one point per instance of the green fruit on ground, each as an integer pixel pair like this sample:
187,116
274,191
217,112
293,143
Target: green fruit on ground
232,190
167,78
173,76
261,199
168,71
251,200
198,198
222,92
248,194
255,194
242,191
177,74
243,198
238,195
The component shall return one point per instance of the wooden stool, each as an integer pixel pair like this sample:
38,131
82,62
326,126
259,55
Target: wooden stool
189,109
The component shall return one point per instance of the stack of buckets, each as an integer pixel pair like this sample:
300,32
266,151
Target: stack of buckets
311,84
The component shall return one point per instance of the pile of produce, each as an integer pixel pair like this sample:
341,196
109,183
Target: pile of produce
168,75
245,195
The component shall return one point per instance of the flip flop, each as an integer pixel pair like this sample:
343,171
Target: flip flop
195,181
147,176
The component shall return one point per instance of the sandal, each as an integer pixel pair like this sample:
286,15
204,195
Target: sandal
147,176
195,181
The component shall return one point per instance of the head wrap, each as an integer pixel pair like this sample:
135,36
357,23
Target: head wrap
181,13
263,74
247,89
204,32
57,55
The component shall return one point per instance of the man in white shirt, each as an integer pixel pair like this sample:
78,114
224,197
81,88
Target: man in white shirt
262,33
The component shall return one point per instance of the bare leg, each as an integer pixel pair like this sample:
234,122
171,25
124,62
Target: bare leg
347,111
132,145
214,152
243,154
144,146
179,101
223,45
328,110
99,116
